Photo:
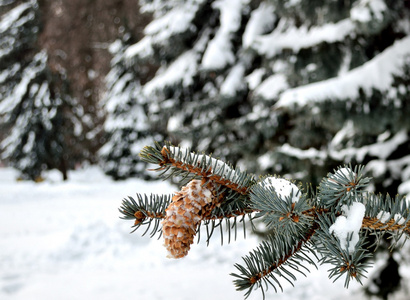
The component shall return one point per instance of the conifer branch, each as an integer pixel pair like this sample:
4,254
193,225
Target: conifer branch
391,225
197,165
145,211
333,223
271,258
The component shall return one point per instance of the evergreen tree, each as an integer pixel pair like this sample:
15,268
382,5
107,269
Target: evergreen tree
232,73
35,108
76,35
19,31
188,101
289,87
126,125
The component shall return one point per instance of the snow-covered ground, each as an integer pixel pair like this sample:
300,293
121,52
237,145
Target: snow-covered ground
64,240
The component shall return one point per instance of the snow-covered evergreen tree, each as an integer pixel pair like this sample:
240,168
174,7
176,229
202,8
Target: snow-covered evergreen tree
195,42
246,79
288,87
18,33
126,125
35,108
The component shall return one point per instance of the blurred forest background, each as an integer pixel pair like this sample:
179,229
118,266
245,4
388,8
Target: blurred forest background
293,88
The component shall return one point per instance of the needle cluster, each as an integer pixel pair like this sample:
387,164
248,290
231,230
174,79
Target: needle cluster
327,225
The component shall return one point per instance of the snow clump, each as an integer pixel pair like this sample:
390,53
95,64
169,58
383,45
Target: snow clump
344,172
283,188
383,216
347,226
399,219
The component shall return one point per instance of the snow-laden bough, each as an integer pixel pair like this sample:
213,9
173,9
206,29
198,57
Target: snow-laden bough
283,188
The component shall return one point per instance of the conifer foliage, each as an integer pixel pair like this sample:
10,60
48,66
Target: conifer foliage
35,107
126,125
330,224
284,87
278,85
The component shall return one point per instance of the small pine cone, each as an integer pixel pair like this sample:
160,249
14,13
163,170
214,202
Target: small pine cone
183,217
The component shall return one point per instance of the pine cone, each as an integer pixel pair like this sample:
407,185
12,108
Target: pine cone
183,216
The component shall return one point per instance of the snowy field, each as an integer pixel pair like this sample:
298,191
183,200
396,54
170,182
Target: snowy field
64,240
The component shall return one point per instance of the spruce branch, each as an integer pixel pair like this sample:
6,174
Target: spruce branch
391,225
274,258
285,215
344,260
175,161
341,187
145,211
331,226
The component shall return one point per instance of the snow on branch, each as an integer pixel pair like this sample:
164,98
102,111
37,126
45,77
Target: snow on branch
311,154
11,24
364,10
182,161
20,90
181,71
219,52
332,224
13,18
376,73
347,226
379,150
272,86
142,50
234,81
162,30
285,37
261,19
